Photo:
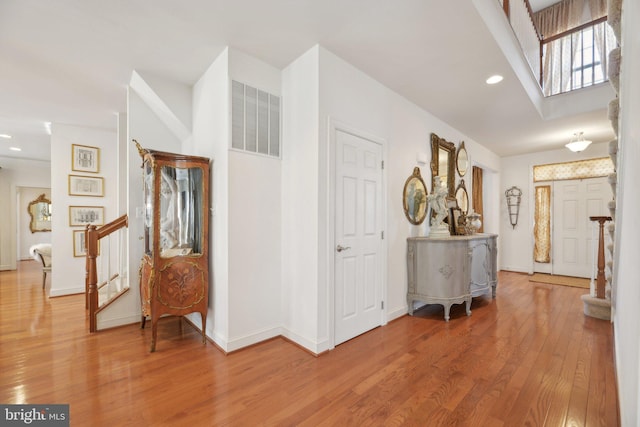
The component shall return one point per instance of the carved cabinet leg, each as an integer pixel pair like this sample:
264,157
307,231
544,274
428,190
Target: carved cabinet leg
447,309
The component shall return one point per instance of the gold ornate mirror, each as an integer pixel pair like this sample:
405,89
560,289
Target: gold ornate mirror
462,197
462,160
442,162
414,198
40,213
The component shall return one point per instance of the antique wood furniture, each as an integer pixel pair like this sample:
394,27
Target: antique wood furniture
174,273
451,270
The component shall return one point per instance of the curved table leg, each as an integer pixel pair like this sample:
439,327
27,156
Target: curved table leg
447,309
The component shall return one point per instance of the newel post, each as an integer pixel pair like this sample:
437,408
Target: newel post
91,241
599,306
601,281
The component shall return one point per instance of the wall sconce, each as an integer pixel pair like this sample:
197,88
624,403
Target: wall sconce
513,204
578,143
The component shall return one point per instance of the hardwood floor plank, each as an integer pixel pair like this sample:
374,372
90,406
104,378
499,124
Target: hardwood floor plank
527,357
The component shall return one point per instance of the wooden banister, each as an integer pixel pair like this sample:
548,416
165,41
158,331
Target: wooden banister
92,236
574,30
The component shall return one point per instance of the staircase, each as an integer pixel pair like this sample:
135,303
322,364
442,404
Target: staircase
107,277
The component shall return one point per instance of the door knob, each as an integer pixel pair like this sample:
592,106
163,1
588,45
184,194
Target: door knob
341,248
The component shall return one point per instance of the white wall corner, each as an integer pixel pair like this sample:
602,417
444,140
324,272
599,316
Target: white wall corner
315,347
170,101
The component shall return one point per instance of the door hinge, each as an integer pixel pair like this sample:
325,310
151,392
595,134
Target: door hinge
381,305
382,164
382,235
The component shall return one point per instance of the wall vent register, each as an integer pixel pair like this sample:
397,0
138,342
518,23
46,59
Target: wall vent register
255,120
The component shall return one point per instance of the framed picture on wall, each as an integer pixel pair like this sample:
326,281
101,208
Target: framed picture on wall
79,244
80,216
85,158
86,186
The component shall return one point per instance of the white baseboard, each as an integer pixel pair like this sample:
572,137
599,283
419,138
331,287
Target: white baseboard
67,291
399,312
313,347
119,321
247,340
515,269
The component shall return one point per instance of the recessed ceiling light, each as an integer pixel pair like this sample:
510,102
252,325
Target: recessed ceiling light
5,136
15,149
494,79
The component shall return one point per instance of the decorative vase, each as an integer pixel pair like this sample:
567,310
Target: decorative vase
473,219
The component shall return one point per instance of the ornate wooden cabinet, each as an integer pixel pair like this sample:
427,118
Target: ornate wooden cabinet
451,270
174,275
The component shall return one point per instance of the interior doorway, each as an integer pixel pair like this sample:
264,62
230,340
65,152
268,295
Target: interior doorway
358,251
25,237
573,240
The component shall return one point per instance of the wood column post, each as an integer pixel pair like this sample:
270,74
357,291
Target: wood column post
601,282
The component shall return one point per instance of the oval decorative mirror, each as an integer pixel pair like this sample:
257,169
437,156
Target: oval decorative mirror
40,213
414,198
462,160
442,159
462,197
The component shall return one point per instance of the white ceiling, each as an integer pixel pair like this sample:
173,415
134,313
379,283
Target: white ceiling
69,61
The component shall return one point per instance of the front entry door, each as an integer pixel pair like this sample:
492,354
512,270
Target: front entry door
574,201
358,239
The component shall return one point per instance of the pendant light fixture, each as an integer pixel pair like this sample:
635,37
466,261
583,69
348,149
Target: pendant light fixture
578,143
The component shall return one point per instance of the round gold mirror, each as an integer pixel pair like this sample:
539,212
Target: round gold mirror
462,160
414,198
462,197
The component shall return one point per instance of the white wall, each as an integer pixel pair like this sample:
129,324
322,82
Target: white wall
211,139
300,100
68,272
347,96
255,281
516,251
627,251
16,173
26,238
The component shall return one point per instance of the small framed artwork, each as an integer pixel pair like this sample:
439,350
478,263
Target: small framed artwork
80,245
85,158
86,186
80,216
457,228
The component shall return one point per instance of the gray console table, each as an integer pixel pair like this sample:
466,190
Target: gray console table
451,270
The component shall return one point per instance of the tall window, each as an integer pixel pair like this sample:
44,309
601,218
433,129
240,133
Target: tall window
577,59
587,69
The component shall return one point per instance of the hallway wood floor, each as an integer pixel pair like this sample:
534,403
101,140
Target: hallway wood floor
529,357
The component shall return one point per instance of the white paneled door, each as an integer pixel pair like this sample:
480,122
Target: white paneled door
573,240
358,238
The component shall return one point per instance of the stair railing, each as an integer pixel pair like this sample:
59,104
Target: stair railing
520,16
93,236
